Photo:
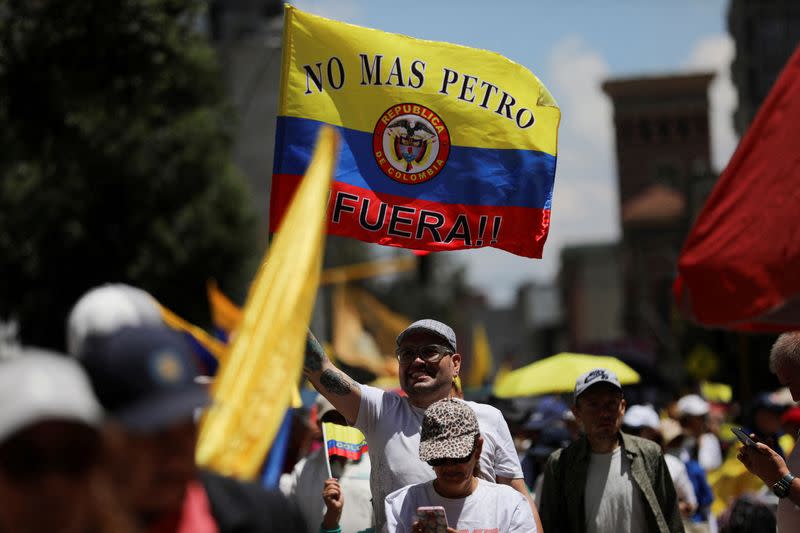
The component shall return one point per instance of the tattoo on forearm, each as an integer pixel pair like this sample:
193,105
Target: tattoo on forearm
315,355
335,382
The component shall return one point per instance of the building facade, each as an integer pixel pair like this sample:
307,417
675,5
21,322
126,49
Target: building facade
664,174
766,33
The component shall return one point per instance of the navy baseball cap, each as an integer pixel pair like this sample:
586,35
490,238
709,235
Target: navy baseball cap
549,411
144,377
551,439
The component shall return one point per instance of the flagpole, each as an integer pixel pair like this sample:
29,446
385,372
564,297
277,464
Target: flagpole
325,450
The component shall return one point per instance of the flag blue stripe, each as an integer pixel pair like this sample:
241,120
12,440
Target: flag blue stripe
514,178
351,446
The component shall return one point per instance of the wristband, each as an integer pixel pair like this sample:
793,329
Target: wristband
783,486
337,529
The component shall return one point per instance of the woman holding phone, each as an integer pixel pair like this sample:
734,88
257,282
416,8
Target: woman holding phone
456,499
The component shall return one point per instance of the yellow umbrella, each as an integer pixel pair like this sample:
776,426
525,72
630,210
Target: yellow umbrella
558,374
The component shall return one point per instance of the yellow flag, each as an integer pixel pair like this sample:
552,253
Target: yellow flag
254,385
214,346
364,330
481,363
225,314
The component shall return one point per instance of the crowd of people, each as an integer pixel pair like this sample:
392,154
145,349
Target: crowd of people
717,482
103,440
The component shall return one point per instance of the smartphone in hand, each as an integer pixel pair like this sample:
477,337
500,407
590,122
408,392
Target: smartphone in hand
433,519
743,437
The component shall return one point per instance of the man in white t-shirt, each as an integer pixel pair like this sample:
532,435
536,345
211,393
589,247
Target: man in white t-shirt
607,481
429,362
451,444
764,462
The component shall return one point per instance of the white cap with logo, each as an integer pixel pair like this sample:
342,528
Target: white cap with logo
593,377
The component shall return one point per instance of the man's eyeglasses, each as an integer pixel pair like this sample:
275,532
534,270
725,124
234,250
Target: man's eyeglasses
448,462
431,353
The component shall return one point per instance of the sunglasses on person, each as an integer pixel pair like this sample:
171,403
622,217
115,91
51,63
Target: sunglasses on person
430,353
66,449
449,462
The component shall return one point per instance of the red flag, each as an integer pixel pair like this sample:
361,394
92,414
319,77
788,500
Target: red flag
739,266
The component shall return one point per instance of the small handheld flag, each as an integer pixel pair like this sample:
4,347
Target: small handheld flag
343,441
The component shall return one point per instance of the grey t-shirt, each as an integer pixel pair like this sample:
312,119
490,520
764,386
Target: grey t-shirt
613,503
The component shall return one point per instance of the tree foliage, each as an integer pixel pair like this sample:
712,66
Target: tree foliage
115,162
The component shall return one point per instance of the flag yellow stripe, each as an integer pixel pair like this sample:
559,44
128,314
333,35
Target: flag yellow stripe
343,433
311,40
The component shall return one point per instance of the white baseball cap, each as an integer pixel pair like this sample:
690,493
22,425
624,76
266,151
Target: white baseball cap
692,405
641,416
37,385
106,309
593,377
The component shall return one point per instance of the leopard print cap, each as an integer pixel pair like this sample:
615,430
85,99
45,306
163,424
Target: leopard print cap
448,430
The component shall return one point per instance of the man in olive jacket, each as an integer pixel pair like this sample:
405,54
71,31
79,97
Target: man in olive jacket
607,481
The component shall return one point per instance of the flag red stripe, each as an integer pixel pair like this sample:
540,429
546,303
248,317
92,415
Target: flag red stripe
356,212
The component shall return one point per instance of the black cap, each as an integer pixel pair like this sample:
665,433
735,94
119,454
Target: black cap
144,376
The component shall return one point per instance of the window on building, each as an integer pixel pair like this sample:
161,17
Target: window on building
682,126
663,131
667,173
701,125
645,131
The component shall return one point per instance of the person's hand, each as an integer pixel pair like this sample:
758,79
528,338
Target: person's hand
686,509
334,503
764,462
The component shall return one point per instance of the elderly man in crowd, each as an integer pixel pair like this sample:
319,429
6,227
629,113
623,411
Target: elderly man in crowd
429,362
766,463
607,481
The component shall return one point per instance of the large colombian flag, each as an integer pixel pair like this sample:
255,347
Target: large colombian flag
444,147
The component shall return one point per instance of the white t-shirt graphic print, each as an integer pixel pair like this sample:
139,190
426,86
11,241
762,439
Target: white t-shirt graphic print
392,427
491,508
